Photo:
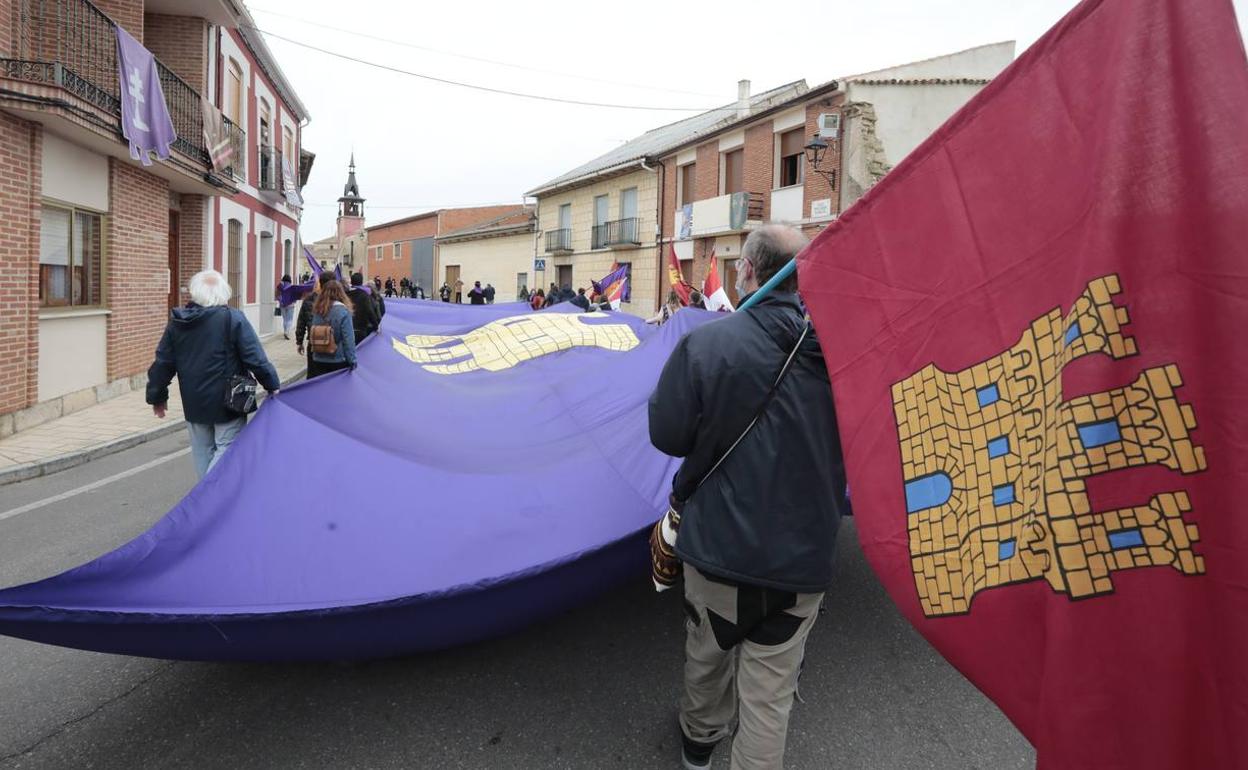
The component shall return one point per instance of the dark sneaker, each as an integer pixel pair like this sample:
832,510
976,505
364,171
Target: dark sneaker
694,755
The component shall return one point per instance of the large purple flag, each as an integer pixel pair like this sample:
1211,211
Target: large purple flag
145,121
476,440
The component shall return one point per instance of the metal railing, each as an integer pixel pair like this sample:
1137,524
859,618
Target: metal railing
559,240
270,169
618,232
73,45
238,144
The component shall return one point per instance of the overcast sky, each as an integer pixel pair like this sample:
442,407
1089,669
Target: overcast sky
421,145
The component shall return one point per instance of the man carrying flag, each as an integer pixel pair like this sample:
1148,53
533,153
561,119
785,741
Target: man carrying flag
614,287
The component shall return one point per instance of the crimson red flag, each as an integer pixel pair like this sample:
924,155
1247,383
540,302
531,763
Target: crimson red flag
1034,330
675,279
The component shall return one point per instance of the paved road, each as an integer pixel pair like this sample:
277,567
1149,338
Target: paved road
595,688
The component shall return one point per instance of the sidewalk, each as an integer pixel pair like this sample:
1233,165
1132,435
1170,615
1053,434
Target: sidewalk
113,425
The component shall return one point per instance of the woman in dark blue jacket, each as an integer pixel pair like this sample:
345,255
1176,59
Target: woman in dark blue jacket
332,309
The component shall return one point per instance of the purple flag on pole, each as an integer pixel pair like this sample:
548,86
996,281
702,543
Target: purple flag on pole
316,266
145,121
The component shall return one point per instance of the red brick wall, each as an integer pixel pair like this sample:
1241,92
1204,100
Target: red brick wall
21,150
817,186
191,236
450,220
127,13
706,175
137,260
760,163
181,43
667,197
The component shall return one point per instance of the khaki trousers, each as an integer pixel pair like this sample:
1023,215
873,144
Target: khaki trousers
753,638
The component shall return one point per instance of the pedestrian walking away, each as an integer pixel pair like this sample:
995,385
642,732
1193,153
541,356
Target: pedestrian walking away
365,318
488,291
331,338
206,345
304,321
755,507
287,306
476,295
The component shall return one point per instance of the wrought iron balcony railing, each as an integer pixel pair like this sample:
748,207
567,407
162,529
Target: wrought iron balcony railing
618,232
270,169
73,45
238,145
558,240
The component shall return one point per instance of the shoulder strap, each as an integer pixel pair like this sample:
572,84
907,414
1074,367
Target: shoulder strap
775,386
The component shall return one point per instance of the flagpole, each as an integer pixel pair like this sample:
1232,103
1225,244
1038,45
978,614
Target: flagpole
772,283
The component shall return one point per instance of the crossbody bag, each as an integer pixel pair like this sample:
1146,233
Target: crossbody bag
240,388
665,567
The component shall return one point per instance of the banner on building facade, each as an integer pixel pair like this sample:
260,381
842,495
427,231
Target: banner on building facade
1034,331
216,137
145,121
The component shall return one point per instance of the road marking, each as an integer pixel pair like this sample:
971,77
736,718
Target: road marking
93,485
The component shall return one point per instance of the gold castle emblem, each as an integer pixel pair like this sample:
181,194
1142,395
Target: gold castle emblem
995,463
506,342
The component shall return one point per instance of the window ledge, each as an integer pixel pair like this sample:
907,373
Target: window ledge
85,312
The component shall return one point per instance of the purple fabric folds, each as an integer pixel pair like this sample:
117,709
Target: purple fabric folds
145,121
440,498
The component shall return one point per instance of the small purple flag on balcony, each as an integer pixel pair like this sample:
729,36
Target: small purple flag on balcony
145,119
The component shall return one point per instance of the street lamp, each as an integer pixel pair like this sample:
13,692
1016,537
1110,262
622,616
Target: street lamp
814,154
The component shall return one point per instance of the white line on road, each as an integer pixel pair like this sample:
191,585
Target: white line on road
93,485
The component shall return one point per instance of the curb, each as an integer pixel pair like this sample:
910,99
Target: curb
63,462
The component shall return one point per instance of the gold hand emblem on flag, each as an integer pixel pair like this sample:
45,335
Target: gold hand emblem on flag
509,341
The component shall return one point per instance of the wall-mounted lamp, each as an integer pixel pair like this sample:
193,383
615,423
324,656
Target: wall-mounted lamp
815,152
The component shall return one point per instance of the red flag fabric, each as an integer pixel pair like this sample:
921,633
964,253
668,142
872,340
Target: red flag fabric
675,279
1034,327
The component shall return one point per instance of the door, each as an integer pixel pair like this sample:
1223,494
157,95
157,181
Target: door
268,283
452,275
175,248
730,280
565,276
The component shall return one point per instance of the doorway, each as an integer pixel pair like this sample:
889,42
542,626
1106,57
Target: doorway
452,277
268,284
175,261
565,276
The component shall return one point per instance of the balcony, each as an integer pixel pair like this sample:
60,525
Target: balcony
722,215
559,241
270,174
786,203
619,233
65,57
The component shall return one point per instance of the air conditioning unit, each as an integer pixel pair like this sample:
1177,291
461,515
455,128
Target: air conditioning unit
829,124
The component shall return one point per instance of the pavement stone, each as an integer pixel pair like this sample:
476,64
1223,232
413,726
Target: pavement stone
112,425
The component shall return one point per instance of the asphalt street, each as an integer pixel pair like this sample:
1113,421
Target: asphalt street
594,688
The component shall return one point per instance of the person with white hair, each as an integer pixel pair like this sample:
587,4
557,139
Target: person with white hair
207,344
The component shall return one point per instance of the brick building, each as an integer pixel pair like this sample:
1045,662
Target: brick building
701,184
408,247
498,252
97,247
756,167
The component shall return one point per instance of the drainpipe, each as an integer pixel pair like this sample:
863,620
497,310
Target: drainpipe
658,239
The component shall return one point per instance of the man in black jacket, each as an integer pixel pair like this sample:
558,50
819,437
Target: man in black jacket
364,317
757,537
205,344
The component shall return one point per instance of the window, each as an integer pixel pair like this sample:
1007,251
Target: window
600,210
792,153
288,146
266,138
234,259
565,216
522,285
734,171
628,203
398,251
686,180
70,258
598,237
288,258
234,93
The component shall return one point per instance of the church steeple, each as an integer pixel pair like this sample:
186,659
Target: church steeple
351,204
